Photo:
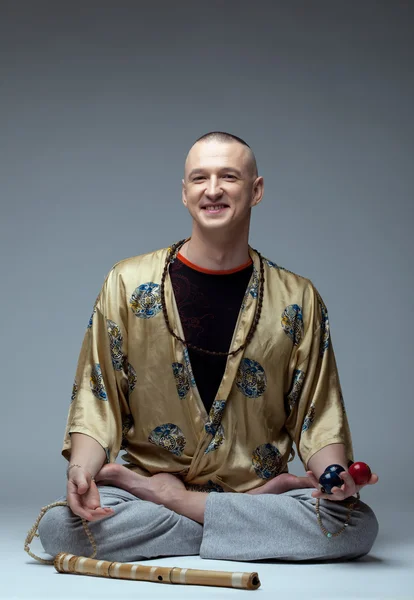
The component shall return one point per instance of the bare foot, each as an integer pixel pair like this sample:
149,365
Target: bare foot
160,488
120,476
283,483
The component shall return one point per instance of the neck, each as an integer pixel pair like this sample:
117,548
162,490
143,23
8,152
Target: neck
218,253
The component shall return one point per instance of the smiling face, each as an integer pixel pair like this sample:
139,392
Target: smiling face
220,185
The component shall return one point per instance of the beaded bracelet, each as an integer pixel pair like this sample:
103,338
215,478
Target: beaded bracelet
33,532
69,468
324,530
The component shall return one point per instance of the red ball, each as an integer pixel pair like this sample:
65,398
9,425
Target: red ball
360,473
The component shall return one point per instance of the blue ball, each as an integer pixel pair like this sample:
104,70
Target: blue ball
334,469
328,480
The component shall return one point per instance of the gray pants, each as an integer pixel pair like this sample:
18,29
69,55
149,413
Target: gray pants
239,527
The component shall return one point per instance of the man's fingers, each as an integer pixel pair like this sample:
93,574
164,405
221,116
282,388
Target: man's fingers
90,514
347,478
77,509
100,513
350,487
81,487
91,503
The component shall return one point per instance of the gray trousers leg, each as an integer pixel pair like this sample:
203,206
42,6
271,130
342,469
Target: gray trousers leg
137,530
284,527
236,527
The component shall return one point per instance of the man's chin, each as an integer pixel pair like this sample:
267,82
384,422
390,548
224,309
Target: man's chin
214,221
214,226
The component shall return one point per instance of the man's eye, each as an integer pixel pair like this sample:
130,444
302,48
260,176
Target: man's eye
227,175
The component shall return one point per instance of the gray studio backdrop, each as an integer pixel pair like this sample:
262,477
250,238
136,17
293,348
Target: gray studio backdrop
100,102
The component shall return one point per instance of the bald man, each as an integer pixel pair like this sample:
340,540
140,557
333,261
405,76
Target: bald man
207,363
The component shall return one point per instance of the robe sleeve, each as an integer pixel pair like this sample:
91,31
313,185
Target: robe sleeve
99,403
315,405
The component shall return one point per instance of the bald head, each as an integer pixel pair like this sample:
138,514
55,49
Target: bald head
209,144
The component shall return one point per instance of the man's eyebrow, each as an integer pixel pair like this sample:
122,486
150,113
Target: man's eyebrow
197,171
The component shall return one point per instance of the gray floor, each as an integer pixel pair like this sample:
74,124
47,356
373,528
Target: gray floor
387,572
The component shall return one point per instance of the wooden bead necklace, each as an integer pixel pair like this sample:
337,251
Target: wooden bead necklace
324,530
33,533
171,255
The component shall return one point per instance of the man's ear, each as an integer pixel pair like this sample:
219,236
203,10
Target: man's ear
259,191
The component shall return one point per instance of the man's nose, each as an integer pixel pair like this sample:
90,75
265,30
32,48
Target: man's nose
213,189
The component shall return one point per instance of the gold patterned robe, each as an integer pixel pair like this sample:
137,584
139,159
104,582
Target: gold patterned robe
134,388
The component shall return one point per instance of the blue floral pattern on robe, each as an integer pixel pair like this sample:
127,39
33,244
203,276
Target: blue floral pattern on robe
296,388
251,378
119,360
170,437
181,379
145,301
97,383
325,330
267,461
91,318
215,416
127,423
115,343
276,266
217,440
132,378
74,391
309,419
187,363
292,323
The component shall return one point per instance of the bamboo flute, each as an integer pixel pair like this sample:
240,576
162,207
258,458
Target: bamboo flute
80,565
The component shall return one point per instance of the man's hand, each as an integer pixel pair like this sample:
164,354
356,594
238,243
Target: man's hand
82,496
349,487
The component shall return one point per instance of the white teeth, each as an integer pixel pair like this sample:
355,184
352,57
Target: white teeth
215,207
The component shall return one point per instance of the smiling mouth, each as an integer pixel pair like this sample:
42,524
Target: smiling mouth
215,208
